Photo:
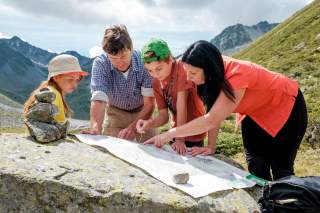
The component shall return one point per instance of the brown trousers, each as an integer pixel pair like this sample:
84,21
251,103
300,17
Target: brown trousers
116,119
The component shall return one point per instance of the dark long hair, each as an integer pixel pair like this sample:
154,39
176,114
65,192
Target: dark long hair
205,55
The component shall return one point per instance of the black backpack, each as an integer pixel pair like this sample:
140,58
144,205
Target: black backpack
291,195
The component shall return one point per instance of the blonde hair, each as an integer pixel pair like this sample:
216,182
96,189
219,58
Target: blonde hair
32,99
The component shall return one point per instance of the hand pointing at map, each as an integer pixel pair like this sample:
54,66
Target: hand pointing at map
160,140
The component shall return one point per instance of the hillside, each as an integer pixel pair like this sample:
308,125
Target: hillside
18,74
293,48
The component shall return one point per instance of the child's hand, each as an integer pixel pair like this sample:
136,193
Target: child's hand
143,125
200,151
90,132
179,147
127,133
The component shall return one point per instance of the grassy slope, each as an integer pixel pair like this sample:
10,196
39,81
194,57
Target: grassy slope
4,113
7,101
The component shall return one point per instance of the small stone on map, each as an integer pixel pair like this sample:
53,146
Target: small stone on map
181,178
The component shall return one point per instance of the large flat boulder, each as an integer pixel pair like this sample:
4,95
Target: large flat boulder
68,176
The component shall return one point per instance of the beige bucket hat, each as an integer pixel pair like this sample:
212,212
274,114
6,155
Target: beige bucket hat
63,64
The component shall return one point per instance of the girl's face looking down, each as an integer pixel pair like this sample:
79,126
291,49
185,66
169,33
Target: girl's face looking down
159,69
67,82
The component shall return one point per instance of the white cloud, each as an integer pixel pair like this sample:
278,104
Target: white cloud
50,51
3,35
161,15
95,51
79,24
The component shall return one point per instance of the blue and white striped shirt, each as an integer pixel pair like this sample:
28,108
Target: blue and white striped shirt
111,86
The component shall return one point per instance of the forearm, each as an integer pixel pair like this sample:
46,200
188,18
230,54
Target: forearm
97,112
212,138
159,121
194,127
181,116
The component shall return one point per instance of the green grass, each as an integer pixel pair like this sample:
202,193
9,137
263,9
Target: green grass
9,102
306,163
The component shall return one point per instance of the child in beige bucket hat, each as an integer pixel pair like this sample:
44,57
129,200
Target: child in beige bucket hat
64,76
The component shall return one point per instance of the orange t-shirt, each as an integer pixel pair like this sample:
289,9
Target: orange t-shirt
269,96
175,82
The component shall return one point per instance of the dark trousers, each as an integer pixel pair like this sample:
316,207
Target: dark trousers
263,152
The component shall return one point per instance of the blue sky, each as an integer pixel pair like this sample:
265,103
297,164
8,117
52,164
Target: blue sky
60,25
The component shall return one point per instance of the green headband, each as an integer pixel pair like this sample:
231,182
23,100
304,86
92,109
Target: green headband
158,47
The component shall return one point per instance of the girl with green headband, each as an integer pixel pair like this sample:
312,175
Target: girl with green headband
172,92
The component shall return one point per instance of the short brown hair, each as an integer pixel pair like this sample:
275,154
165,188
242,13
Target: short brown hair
116,39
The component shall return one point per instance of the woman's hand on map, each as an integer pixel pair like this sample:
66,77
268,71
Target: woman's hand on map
160,140
200,151
143,125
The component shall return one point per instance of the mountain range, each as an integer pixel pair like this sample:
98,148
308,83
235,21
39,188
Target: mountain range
236,37
24,66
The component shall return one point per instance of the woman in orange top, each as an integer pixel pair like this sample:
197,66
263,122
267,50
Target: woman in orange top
270,107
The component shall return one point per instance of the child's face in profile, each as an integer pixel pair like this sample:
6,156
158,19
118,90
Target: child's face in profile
159,69
67,82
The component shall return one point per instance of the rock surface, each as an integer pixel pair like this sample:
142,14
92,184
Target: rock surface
67,176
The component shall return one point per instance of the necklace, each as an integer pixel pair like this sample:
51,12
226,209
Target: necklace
167,91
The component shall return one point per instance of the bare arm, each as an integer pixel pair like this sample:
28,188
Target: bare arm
218,112
97,110
212,139
161,119
182,109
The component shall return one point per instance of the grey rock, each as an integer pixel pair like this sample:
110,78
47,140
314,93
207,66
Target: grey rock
313,133
45,95
300,46
181,178
63,128
75,177
40,119
46,132
42,112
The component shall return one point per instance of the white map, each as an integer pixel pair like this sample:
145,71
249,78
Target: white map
207,174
